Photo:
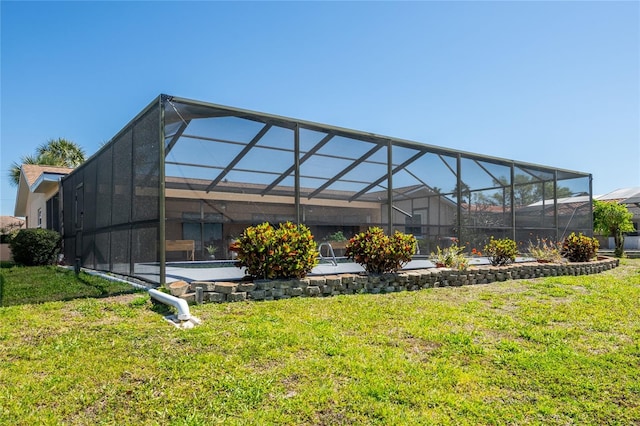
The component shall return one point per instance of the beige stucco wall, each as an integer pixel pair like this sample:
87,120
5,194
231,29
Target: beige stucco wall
38,201
35,202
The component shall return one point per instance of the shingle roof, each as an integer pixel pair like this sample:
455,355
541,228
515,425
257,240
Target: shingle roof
622,195
11,221
33,171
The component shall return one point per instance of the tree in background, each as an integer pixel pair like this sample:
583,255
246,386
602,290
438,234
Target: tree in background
55,152
527,191
612,219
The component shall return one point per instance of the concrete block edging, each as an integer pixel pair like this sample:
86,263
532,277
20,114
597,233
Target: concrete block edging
333,285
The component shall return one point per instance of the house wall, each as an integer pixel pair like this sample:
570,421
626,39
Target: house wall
37,201
8,225
5,252
631,242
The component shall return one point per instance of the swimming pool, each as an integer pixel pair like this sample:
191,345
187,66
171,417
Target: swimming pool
225,270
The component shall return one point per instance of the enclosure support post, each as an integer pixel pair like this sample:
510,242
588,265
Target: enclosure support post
590,204
512,201
555,205
161,207
390,187
459,197
296,162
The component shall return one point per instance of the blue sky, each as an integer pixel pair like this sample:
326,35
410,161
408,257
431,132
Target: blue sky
554,83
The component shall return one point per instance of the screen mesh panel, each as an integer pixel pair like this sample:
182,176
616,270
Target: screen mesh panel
146,167
120,252
122,172
104,188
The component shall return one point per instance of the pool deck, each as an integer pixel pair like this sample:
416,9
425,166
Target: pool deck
198,271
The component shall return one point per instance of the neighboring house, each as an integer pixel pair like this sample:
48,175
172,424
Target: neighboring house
7,225
631,198
627,196
38,200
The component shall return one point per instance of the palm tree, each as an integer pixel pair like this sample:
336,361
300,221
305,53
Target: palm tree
55,152
65,152
465,192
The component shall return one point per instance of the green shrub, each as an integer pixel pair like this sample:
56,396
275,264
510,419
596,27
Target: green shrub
286,252
501,251
451,257
579,248
379,253
336,236
35,247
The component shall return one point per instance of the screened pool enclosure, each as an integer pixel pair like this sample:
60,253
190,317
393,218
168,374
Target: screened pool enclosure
184,178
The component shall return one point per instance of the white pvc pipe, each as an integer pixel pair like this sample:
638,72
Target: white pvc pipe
180,304
111,278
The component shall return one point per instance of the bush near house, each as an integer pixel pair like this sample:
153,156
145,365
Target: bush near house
451,257
288,251
501,251
379,253
35,247
579,248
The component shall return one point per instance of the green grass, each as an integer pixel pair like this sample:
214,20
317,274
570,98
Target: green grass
20,285
558,351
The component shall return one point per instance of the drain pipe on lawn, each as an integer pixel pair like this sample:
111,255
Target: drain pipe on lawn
183,319
112,278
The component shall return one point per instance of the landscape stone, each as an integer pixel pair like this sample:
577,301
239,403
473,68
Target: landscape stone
225,287
204,285
237,297
217,297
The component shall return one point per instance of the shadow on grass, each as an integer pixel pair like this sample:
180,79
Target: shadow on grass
68,298
28,288
4,264
160,308
1,289
97,296
104,292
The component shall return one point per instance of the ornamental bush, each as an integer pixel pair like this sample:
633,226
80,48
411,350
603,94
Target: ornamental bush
579,248
451,257
35,247
379,253
501,251
545,250
288,251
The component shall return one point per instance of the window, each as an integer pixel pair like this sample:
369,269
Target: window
40,217
53,216
413,225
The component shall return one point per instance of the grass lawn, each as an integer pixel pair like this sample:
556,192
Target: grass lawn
19,285
554,351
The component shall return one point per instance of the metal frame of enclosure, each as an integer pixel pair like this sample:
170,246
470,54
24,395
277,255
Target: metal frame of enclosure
184,171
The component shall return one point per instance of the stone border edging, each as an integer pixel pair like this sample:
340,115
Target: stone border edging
333,285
